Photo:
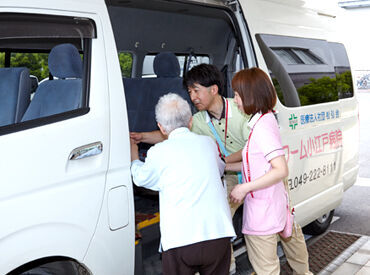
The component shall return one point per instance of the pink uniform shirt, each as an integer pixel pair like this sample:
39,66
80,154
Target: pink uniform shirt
265,212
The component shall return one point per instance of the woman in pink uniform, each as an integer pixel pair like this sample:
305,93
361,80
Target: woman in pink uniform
264,167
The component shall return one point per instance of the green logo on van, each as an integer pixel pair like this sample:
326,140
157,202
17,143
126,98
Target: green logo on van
293,121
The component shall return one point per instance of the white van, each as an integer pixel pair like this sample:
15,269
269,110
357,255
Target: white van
67,203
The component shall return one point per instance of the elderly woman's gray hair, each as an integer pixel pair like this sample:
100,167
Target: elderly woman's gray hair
172,112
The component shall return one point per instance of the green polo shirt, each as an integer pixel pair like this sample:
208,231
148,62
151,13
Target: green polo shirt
237,130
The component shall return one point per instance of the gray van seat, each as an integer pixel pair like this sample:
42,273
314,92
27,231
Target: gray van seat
142,94
62,94
15,89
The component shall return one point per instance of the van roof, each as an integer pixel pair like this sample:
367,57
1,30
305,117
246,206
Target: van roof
262,16
212,2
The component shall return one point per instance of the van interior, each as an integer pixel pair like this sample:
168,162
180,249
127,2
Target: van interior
165,39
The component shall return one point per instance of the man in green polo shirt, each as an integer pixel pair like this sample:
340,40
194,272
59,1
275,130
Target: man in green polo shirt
204,83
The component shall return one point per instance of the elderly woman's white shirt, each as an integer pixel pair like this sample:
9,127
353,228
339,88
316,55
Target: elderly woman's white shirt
186,170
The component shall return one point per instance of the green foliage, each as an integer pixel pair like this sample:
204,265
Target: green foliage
324,89
320,90
2,60
37,63
125,61
345,84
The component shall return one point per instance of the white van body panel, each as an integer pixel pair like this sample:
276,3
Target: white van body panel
45,219
116,246
351,142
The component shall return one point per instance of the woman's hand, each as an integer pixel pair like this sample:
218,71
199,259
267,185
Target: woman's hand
234,166
239,192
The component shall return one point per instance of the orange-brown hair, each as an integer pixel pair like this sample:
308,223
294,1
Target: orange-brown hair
255,90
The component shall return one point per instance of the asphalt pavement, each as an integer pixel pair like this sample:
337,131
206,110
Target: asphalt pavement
353,214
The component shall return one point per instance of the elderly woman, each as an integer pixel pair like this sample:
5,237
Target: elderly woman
186,169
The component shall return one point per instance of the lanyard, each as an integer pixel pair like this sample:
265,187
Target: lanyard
248,176
226,118
221,146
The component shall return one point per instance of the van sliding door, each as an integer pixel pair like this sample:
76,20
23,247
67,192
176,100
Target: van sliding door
55,156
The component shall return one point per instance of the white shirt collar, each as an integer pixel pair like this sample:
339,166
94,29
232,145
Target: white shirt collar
254,120
229,111
178,131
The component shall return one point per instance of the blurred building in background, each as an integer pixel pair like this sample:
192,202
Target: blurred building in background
355,20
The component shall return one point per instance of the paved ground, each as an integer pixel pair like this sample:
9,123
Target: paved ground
355,260
354,211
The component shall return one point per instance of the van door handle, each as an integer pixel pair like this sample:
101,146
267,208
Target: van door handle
87,150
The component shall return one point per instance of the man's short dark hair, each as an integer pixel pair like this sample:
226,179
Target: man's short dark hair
205,75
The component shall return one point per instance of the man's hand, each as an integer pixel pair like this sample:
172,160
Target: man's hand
134,150
148,137
136,137
239,192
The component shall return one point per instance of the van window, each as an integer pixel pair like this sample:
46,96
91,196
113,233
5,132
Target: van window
37,63
297,56
306,71
44,69
195,60
2,59
288,56
307,57
125,62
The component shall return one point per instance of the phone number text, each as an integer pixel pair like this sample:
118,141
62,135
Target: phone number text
312,175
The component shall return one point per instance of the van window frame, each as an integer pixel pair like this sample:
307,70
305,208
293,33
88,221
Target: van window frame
178,56
89,32
324,65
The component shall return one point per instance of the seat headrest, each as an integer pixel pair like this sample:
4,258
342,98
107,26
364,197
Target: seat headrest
65,61
166,65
